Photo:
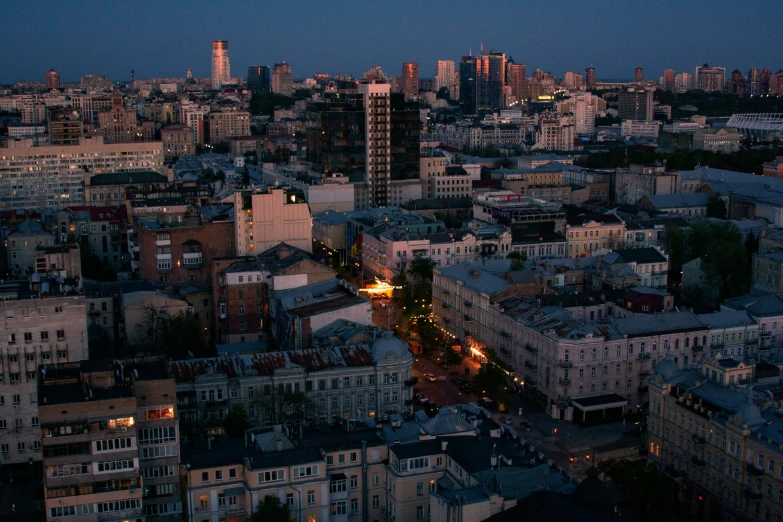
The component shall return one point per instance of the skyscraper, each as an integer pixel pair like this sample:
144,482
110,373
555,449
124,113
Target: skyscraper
591,77
410,79
515,76
636,104
638,75
221,69
52,80
709,79
282,81
377,140
444,76
258,79
482,79
668,80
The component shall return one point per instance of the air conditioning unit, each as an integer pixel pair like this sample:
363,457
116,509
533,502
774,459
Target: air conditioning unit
124,428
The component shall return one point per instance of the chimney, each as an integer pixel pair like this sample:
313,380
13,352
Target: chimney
443,445
279,442
209,442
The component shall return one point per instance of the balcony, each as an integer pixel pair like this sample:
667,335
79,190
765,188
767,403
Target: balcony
530,348
696,461
754,471
445,306
531,381
468,303
467,318
531,365
643,356
505,334
698,440
642,389
565,381
565,363
127,514
192,260
753,494
697,349
644,373
505,350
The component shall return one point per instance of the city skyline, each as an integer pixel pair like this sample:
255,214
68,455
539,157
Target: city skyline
177,39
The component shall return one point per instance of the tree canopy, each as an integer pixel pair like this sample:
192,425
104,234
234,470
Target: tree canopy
270,509
643,485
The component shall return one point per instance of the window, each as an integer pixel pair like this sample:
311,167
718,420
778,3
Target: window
419,489
354,482
44,337
376,477
60,335
205,476
376,501
419,512
305,471
311,497
272,476
289,499
340,507
338,486
219,474
354,505
353,456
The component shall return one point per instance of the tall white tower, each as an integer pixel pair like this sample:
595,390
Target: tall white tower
377,141
221,69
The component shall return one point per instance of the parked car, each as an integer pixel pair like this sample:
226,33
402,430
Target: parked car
456,380
505,420
431,377
525,425
421,398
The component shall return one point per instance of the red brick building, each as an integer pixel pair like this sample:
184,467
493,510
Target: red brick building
182,251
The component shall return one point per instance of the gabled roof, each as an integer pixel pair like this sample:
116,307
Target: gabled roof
678,200
641,255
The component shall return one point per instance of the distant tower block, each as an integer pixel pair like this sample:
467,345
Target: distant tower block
190,74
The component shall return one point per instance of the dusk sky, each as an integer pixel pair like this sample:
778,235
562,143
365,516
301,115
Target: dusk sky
157,38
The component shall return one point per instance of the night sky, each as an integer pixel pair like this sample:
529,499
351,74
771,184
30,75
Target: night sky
164,38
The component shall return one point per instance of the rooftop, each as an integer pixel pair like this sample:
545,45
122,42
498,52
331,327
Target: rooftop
475,277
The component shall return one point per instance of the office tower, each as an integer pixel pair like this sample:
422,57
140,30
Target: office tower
405,133
258,79
752,78
764,79
573,80
52,80
410,79
638,75
444,75
636,104
377,141
668,80
591,77
482,79
221,69
709,79
282,82
737,83
515,76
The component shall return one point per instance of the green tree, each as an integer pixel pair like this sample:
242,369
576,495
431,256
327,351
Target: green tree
517,260
236,421
645,487
716,207
490,375
279,406
270,509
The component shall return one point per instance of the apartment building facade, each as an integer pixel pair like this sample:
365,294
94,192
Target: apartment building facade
263,220
587,233
227,124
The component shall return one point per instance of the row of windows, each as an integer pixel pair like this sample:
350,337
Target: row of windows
28,338
21,447
18,423
27,311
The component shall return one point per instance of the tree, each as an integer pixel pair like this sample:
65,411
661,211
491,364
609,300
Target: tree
517,260
651,492
270,509
716,207
278,406
490,375
236,421
179,336
245,177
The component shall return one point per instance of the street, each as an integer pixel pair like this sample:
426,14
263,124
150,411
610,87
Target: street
568,440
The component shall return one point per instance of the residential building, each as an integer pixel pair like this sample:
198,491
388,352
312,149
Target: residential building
516,79
649,264
65,127
709,79
45,323
282,82
182,251
410,80
645,130
589,233
637,181
442,180
259,80
265,219
668,80
21,245
360,377
243,287
573,80
194,117
377,141
733,333
300,311
774,168
115,451
226,124
683,82
142,311
444,76
687,205
221,67
177,141
590,83
706,426
111,189
107,237
555,133
118,124
58,179
638,75
636,103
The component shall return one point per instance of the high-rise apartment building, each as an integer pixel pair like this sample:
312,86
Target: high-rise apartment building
590,77
282,81
227,124
752,78
482,80
636,104
65,126
555,133
737,83
668,80
410,79
638,75
377,141
515,77
573,80
52,80
118,124
110,440
764,79
194,116
221,68
683,81
709,79
259,80
444,75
